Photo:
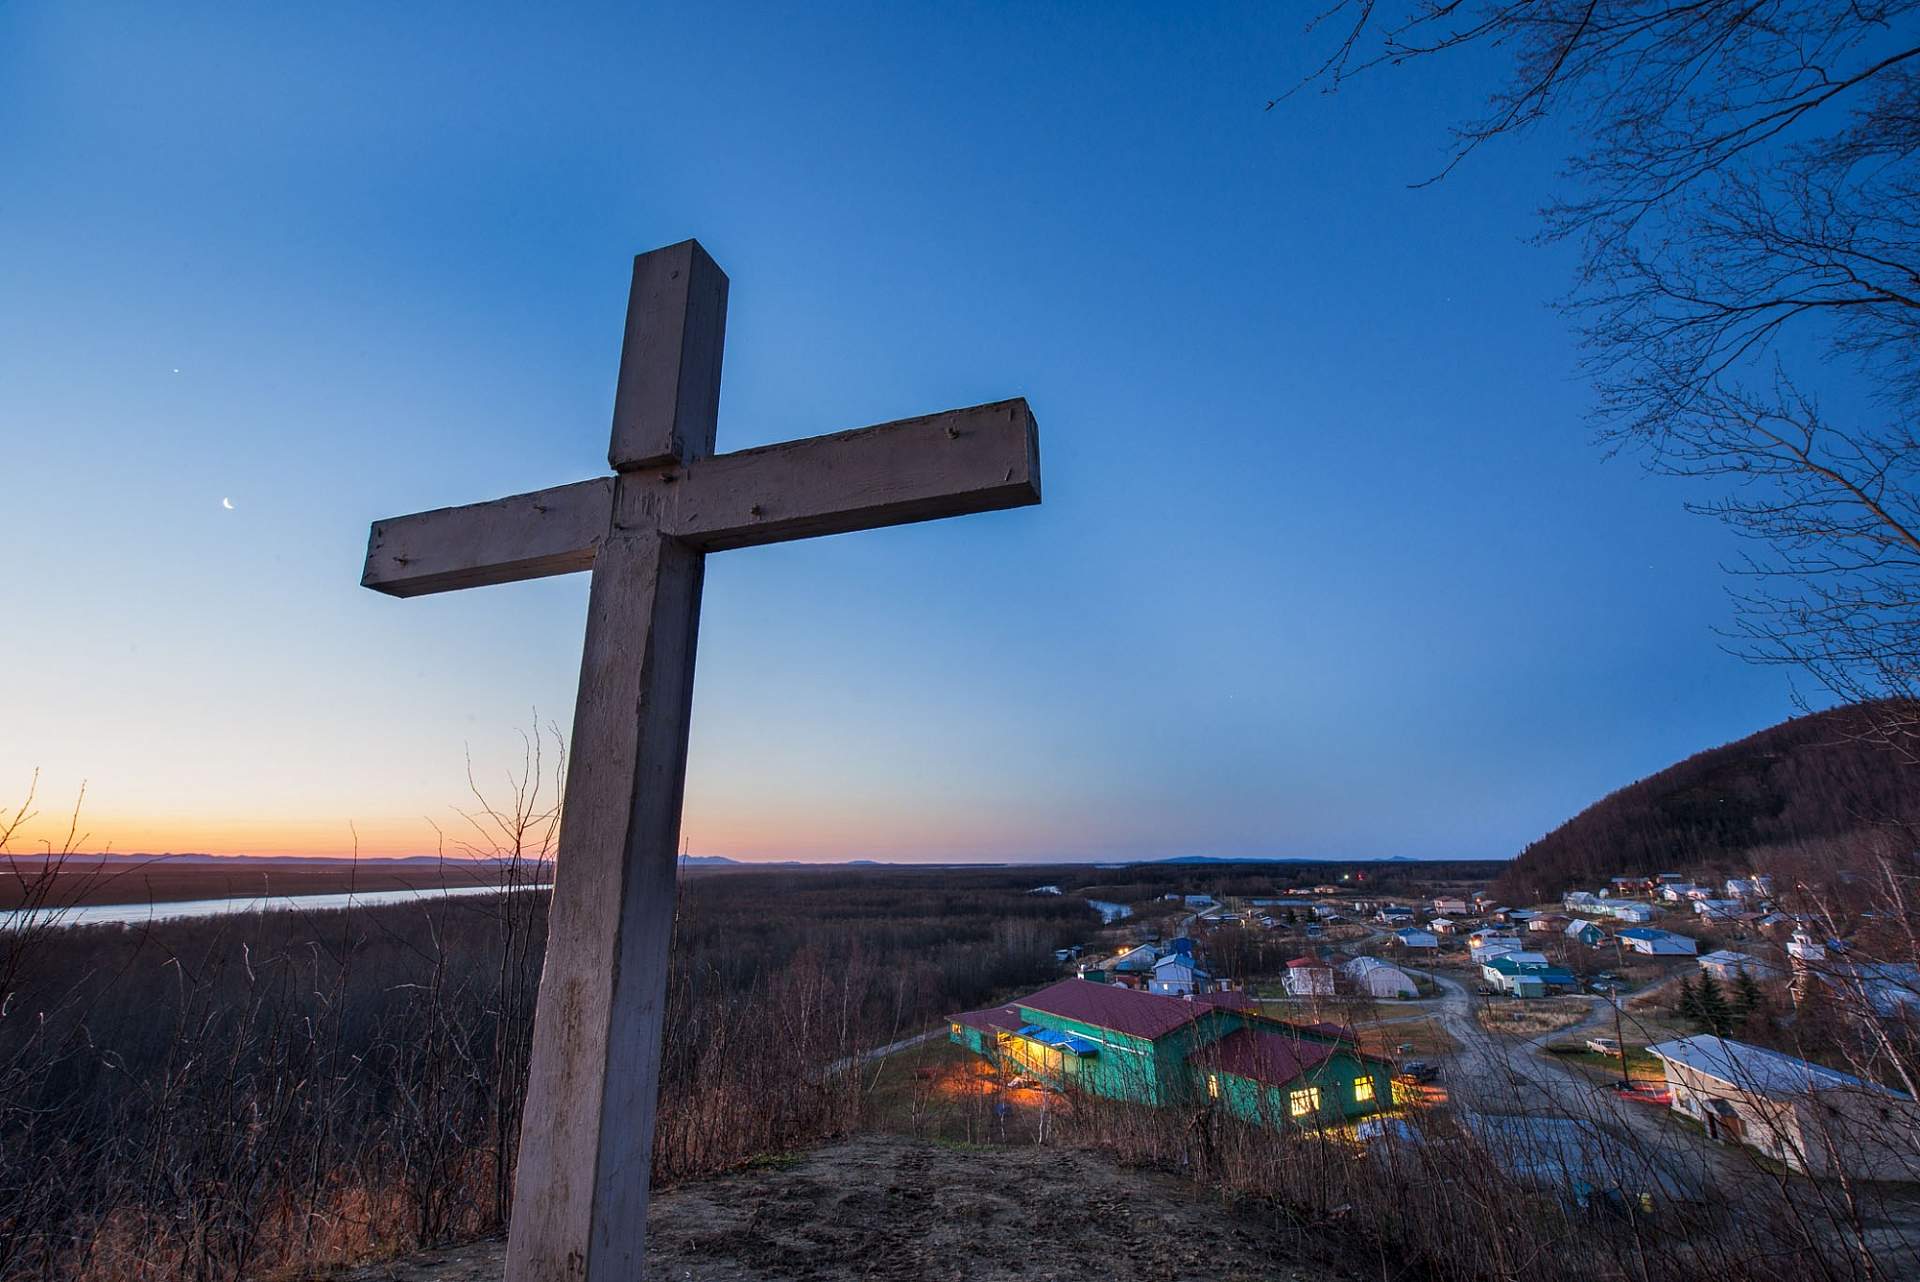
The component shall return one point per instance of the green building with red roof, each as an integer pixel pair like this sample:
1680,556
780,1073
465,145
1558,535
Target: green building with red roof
1125,1044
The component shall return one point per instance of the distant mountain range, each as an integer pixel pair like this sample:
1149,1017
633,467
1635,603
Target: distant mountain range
1809,778
1226,859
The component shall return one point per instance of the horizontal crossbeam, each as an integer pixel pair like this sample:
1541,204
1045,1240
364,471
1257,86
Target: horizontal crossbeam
528,536
981,459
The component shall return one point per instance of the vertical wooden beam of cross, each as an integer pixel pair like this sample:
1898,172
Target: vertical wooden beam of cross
580,1196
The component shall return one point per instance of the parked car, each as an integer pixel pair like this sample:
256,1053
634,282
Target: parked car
1418,1072
1643,1092
1603,1046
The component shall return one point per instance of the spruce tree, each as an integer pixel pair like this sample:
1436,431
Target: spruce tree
1714,1011
1688,1005
1747,997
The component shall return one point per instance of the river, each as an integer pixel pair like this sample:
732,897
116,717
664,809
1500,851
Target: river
140,914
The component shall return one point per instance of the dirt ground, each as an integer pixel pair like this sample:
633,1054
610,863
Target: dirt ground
887,1208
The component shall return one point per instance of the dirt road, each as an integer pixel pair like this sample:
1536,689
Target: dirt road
1492,1074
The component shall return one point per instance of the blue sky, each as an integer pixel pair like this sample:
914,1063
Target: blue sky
1327,564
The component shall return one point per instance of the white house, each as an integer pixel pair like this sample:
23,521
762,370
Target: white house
1376,978
1450,908
1717,909
1657,943
1728,966
1636,913
1491,942
1524,974
1309,977
1582,901
1175,975
1413,937
1886,988
1805,948
1815,1119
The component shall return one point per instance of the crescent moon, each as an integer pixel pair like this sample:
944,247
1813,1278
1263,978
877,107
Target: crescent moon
227,504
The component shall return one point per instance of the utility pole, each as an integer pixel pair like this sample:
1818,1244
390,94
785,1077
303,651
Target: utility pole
1619,1037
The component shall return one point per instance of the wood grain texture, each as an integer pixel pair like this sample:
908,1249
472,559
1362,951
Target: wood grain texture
527,536
980,459
581,1184
586,1146
668,397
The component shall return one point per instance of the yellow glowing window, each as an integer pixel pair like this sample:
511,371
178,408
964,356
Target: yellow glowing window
1302,1102
956,1030
1213,1086
1363,1089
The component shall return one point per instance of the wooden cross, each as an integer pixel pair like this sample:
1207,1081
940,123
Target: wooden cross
587,1139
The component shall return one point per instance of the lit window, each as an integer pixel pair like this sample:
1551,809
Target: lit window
1213,1085
1303,1102
956,1030
1363,1089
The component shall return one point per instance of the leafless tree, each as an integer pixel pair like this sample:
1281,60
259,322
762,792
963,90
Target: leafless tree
1747,201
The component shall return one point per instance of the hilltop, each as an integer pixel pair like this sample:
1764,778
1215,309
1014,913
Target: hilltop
883,1207
1811,778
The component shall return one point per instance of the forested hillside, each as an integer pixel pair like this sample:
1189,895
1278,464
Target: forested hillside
1810,778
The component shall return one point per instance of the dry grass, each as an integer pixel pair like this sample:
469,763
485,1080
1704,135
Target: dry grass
1428,1038
1529,1017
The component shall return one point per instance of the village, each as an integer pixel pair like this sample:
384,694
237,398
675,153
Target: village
758,643
1552,1037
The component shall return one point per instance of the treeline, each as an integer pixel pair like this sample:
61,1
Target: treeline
1824,776
1143,883
223,1097
934,941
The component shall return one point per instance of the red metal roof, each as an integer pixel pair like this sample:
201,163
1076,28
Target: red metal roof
1324,1029
1128,1010
1124,1010
993,1019
1272,1058
1227,1001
